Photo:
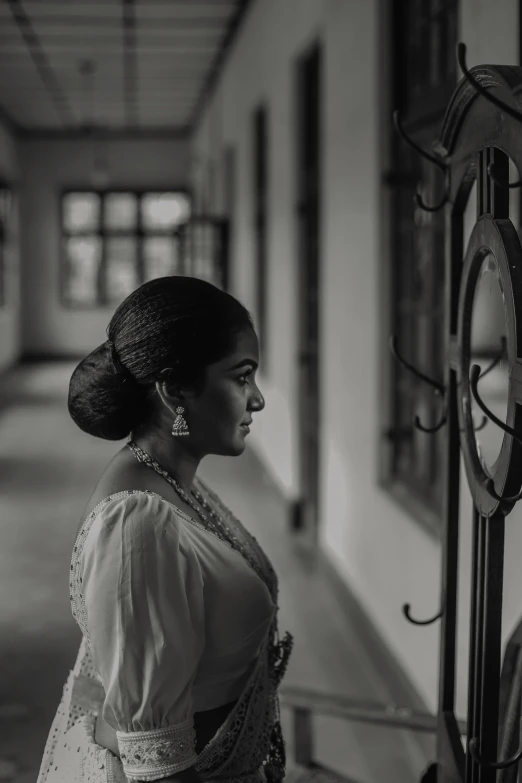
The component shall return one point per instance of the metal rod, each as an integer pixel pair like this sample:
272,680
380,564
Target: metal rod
488,697
450,561
475,658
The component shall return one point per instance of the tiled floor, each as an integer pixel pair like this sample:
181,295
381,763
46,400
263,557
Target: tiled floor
47,468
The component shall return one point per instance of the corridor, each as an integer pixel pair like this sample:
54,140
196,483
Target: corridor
47,470
332,166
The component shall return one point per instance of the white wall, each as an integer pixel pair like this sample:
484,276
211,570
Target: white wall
10,313
385,556
47,168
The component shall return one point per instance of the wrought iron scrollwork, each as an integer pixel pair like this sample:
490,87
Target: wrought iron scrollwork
441,164
509,762
475,375
461,58
474,379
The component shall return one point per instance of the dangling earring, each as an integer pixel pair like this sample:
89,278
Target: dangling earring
180,425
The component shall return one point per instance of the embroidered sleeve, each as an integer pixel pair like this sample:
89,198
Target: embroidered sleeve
148,755
143,595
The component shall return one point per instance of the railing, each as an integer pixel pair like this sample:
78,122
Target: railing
305,704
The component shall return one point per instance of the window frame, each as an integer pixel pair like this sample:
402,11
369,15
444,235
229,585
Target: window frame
417,118
102,303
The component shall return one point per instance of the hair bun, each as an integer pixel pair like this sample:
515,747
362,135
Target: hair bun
104,399
171,328
118,366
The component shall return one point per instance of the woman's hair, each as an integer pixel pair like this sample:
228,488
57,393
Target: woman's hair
170,328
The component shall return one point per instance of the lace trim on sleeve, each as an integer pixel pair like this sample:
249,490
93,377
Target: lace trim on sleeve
149,755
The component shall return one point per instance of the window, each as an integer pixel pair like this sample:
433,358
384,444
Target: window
204,249
260,205
114,241
424,73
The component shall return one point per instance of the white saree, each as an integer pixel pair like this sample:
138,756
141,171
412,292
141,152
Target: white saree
173,622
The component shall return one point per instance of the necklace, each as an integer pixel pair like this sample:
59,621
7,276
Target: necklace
278,650
213,521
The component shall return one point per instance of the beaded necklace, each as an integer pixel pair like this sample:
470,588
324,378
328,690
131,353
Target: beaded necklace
278,650
213,521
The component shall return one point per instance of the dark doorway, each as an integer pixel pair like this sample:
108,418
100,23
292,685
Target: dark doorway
260,203
229,210
308,144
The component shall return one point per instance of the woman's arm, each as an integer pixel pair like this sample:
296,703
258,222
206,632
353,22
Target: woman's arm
144,612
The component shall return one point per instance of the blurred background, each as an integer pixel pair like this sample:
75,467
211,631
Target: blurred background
248,142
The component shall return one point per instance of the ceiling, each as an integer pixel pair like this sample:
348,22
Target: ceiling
123,66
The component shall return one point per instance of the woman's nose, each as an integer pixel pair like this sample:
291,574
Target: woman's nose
258,401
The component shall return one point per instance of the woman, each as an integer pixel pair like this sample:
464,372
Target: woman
177,674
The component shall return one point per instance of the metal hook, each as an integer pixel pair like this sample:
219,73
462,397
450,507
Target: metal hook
432,159
461,57
435,428
438,387
481,425
406,612
491,170
445,196
402,133
436,207
473,749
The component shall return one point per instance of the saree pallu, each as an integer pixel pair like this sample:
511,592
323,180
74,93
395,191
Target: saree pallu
247,748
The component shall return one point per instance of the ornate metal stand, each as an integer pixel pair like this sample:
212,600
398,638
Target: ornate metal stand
481,131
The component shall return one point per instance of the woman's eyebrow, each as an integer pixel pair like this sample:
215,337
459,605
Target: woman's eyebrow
242,364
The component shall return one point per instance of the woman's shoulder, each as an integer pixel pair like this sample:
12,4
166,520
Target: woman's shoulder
141,512
127,482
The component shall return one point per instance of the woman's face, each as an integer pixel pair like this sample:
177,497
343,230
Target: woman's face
217,416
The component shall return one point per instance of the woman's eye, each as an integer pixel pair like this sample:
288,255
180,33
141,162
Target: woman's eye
243,382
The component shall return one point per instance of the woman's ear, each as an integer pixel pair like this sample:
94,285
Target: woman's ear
170,394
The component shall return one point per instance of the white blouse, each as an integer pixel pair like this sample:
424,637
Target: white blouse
175,619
